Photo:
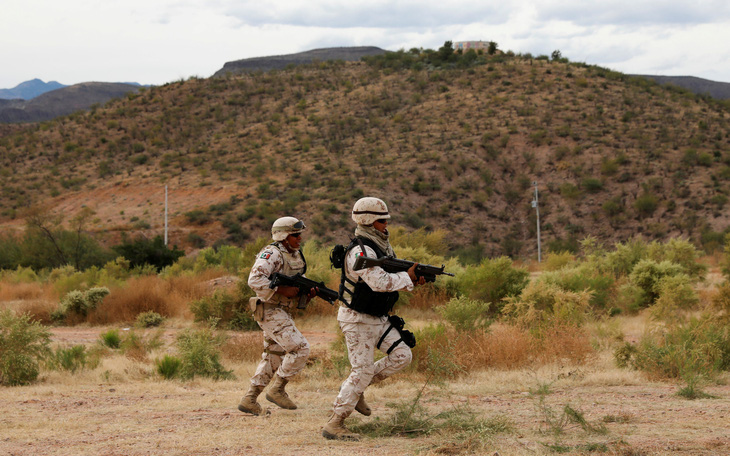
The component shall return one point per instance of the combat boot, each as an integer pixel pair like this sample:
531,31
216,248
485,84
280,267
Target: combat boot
278,396
362,406
248,404
335,429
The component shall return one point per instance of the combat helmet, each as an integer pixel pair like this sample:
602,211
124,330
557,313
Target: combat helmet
285,226
367,210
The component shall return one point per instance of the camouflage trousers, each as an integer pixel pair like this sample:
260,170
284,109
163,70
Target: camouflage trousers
285,348
361,339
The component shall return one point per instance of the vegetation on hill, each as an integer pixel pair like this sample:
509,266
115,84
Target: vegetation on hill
451,141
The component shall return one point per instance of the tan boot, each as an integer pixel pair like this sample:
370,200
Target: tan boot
362,406
278,396
248,404
335,429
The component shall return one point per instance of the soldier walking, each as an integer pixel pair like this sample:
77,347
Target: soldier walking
368,295
285,348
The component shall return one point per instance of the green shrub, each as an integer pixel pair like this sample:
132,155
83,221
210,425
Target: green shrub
699,348
168,367
199,355
675,294
224,308
542,304
681,252
149,319
23,344
81,302
71,359
492,281
465,314
111,339
648,274
583,277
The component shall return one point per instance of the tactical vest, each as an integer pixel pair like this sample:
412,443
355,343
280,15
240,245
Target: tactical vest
362,298
291,266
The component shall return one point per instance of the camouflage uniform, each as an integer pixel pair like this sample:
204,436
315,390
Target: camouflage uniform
362,333
285,348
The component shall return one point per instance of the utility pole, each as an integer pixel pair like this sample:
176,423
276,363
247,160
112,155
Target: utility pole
166,215
537,211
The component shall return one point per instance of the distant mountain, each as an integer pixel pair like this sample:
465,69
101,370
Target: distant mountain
279,62
29,89
62,101
717,90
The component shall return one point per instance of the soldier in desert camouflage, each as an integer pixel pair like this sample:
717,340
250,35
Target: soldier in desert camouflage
369,295
285,348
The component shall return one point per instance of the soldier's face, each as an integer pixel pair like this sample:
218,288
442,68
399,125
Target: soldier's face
381,225
294,241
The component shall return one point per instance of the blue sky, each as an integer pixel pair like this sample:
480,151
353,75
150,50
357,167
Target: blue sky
158,41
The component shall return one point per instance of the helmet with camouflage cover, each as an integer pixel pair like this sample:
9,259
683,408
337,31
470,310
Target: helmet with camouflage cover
367,210
285,226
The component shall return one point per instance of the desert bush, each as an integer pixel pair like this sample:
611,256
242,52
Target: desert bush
720,303
168,366
681,252
199,356
80,303
149,319
491,281
465,314
169,297
224,308
647,275
675,294
71,359
725,261
542,304
23,345
582,277
557,260
144,251
433,241
698,348
111,339
504,347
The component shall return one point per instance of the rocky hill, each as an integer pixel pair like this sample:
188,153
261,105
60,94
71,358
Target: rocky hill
60,102
451,143
279,62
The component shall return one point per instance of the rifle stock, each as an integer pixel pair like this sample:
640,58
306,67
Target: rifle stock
390,264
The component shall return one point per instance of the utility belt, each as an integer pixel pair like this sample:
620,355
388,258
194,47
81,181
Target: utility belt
257,306
406,336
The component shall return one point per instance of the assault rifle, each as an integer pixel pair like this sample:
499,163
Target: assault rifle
391,264
304,284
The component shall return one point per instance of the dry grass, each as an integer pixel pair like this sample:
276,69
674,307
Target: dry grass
123,407
244,346
505,347
169,297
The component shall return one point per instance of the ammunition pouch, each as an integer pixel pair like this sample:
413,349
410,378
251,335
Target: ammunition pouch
406,336
257,308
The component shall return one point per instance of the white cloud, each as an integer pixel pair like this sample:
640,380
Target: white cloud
157,41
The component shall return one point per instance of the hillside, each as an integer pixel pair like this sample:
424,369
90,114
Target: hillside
280,62
452,149
63,101
718,90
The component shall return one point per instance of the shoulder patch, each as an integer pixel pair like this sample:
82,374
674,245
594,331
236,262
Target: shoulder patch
266,254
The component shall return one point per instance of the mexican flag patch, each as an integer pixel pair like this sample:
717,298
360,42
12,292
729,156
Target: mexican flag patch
265,255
